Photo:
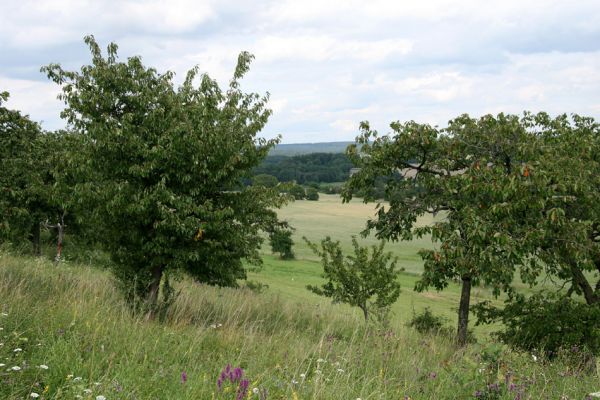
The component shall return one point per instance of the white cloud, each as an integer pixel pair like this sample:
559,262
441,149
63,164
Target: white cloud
35,98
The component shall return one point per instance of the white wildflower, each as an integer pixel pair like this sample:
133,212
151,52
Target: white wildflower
43,366
255,390
320,360
595,394
294,382
18,349
534,357
341,371
302,376
34,395
16,368
87,391
100,397
77,379
4,314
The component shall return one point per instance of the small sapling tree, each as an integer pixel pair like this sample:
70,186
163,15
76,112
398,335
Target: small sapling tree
363,280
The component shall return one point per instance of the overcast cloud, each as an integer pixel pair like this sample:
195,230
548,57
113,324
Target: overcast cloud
327,64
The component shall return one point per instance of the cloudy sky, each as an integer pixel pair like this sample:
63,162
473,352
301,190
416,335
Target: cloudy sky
328,64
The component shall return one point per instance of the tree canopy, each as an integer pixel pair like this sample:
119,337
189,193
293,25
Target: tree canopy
162,168
480,175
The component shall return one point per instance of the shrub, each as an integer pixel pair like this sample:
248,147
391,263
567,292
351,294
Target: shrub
428,323
312,194
547,323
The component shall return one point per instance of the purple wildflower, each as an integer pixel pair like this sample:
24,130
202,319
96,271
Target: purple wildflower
183,377
242,389
432,375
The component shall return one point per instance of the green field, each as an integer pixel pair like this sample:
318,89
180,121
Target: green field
330,217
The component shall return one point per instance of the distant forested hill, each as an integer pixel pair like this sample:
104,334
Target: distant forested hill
315,167
307,148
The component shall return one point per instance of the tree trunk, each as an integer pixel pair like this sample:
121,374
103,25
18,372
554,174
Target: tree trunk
153,289
60,227
365,312
35,239
463,311
591,297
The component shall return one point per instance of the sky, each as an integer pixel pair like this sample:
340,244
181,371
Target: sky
327,64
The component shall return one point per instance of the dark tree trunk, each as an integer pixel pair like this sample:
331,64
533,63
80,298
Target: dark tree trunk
365,312
35,239
463,311
590,295
153,289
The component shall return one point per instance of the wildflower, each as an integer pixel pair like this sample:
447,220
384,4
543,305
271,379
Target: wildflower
432,375
341,371
241,392
18,349
183,377
16,368
320,360
302,376
4,314
595,394
43,366
100,397
534,357
77,379
294,382
34,395
2,365
255,390
87,391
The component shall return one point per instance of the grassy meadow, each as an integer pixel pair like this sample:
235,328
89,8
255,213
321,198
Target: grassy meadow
65,333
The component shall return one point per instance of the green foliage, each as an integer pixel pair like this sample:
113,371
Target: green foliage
281,242
304,169
312,194
162,168
547,323
478,172
428,323
357,279
297,191
264,180
29,193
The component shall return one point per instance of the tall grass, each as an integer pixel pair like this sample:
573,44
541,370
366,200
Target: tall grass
70,318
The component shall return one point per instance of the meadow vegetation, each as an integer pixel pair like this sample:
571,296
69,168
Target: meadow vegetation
77,337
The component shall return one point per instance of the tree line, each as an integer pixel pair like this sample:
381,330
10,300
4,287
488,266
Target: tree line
307,168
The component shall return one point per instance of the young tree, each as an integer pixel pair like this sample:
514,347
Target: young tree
356,280
163,167
475,173
281,241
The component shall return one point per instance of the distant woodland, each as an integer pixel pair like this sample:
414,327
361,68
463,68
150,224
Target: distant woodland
307,168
